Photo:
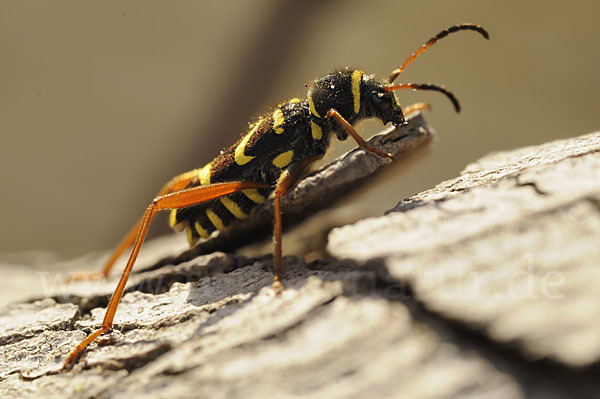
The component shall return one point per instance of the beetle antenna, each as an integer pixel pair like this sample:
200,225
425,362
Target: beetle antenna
455,28
426,86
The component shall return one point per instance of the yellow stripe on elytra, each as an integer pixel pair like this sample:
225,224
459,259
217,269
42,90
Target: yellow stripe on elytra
282,160
240,157
356,80
203,233
233,208
311,105
215,220
204,175
254,196
278,121
316,131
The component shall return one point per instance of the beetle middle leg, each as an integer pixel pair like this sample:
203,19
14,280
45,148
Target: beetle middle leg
286,181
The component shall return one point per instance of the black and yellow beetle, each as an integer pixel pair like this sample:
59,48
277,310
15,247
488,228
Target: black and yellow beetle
269,159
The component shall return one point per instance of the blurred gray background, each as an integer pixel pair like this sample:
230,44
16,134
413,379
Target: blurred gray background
101,103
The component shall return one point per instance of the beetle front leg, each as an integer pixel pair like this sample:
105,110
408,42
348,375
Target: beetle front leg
333,113
415,108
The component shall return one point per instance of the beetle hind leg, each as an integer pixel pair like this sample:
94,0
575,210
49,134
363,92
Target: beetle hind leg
179,199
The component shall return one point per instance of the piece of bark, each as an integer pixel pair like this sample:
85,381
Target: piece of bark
230,336
415,305
511,248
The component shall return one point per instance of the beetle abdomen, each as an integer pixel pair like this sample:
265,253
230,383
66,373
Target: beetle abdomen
274,142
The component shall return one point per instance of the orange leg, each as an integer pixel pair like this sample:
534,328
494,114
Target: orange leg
179,199
176,184
286,181
415,107
333,113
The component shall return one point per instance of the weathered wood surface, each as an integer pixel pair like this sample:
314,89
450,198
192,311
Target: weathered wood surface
484,286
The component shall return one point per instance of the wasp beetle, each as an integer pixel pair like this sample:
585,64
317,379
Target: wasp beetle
270,158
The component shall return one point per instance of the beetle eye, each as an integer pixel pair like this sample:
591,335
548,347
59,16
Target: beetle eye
379,101
376,97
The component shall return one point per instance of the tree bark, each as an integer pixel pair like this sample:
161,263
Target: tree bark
484,286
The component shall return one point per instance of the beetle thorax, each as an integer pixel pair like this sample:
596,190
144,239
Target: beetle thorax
339,90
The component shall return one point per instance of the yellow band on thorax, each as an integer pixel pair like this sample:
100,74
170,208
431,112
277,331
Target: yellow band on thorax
356,81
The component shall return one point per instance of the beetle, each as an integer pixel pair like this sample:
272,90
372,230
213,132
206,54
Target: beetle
269,159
